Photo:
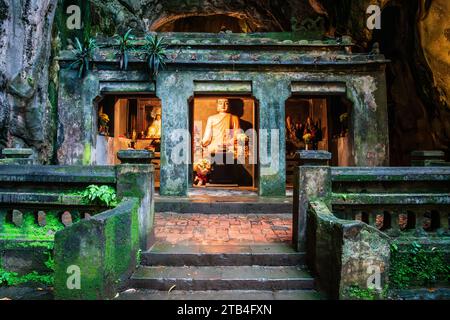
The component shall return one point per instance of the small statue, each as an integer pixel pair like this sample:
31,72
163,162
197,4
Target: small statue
375,49
154,130
202,169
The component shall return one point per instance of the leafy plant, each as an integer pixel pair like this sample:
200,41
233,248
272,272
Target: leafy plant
13,279
102,195
83,55
6,277
50,263
417,266
155,50
125,46
357,293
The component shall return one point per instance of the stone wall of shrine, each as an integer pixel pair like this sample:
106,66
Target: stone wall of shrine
269,70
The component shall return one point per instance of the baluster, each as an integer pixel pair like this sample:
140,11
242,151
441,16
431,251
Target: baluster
443,222
372,218
66,219
403,220
394,223
420,219
42,219
358,215
17,218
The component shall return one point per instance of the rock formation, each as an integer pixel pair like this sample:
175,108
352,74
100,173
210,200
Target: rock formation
25,40
415,36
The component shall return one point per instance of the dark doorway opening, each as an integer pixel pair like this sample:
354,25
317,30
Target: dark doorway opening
234,165
318,123
207,24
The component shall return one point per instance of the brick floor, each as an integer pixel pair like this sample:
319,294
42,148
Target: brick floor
223,229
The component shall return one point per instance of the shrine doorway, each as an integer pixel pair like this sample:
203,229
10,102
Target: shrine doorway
128,122
235,165
318,123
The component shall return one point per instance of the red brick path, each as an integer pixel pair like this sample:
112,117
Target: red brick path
223,229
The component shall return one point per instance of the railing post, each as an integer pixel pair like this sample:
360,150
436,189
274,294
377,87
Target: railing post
17,156
394,230
372,218
443,223
427,158
312,181
420,218
135,179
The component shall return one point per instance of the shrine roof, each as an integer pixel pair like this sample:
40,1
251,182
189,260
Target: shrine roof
240,49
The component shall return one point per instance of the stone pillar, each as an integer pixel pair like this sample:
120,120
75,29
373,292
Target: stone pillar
17,157
175,139
312,180
272,93
369,130
76,117
135,179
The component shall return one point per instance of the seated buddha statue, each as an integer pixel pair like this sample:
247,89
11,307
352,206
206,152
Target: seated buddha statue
221,129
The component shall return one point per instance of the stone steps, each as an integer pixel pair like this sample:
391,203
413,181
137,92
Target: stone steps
221,272
224,205
222,255
144,294
222,278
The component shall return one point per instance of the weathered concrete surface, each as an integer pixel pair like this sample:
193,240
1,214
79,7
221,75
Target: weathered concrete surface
23,258
133,294
77,118
137,180
311,182
270,88
175,144
365,254
104,248
344,253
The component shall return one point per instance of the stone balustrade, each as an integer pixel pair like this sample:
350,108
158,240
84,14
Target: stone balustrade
346,218
42,207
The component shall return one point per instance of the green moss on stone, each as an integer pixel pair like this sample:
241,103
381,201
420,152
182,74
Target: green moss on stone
31,230
87,154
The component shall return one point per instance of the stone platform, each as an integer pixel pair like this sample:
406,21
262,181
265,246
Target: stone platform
223,229
224,201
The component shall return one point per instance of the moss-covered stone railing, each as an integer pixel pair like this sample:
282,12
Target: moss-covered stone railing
37,202
402,202
343,253
345,218
94,257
